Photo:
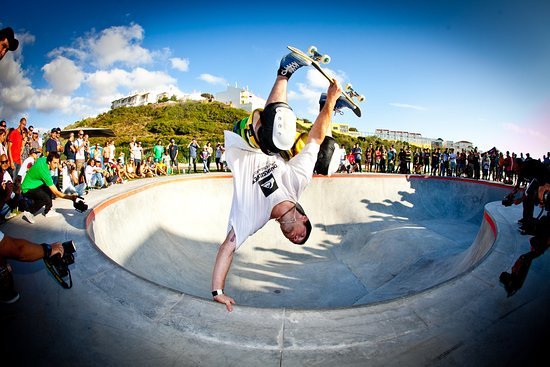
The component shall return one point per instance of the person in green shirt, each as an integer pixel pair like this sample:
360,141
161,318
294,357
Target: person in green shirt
38,186
158,151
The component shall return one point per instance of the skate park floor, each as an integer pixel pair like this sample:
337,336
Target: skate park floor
399,270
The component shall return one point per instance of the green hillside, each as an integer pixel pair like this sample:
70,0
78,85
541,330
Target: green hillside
183,121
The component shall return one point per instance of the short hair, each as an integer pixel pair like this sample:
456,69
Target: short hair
51,156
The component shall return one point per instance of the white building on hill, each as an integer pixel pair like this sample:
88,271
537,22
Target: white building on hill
240,98
135,99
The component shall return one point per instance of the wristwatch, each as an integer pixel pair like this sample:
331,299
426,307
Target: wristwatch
47,250
217,292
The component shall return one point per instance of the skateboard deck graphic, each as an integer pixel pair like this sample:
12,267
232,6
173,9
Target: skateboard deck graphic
315,57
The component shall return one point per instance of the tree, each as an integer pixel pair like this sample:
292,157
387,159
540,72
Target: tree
208,97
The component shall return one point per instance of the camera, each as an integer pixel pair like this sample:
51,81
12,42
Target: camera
59,265
508,201
80,205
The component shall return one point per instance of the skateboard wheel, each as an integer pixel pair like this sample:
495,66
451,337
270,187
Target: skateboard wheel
325,59
361,98
312,50
349,87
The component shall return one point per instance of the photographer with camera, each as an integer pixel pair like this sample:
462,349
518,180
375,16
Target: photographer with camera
536,174
21,250
540,242
38,186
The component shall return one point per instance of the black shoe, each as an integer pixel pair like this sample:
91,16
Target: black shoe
8,294
9,298
507,280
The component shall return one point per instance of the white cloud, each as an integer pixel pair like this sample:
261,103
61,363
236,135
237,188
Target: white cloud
311,90
115,45
16,92
63,75
408,106
119,44
211,79
522,130
86,76
180,64
46,101
316,80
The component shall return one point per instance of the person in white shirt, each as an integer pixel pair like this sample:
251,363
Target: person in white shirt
27,163
80,154
266,186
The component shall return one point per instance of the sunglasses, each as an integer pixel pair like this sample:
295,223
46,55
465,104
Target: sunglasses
4,162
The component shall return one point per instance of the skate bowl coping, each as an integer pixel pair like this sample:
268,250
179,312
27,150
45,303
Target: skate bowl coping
375,238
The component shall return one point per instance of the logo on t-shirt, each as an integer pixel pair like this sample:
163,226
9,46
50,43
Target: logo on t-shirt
268,185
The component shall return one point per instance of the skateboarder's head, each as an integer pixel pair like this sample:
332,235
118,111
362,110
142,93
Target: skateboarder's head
277,130
297,226
8,42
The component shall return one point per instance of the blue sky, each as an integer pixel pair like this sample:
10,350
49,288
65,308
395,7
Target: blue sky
458,70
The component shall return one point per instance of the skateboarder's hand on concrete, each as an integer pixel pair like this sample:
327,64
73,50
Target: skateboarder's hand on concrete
226,300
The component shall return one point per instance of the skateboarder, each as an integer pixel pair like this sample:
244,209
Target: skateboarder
266,186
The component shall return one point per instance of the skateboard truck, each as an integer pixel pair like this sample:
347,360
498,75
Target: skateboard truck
316,58
315,55
353,94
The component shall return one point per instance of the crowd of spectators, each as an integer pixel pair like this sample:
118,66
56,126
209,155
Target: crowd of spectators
493,165
86,165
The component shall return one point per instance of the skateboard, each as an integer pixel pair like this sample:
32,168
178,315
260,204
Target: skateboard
316,59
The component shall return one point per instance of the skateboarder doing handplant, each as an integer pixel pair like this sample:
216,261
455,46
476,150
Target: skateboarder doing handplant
266,185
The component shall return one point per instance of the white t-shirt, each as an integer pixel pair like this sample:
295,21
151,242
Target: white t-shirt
7,177
27,163
261,181
88,173
79,154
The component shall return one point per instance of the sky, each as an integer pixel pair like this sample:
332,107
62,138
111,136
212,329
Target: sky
457,70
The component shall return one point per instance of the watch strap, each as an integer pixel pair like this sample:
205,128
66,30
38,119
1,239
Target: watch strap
217,292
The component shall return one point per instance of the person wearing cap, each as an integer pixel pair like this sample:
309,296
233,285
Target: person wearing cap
265,185
8,42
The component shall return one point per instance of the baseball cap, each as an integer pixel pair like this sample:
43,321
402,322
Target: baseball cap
8,34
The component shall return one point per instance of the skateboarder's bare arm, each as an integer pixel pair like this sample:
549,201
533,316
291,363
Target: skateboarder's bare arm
221,268
322,123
